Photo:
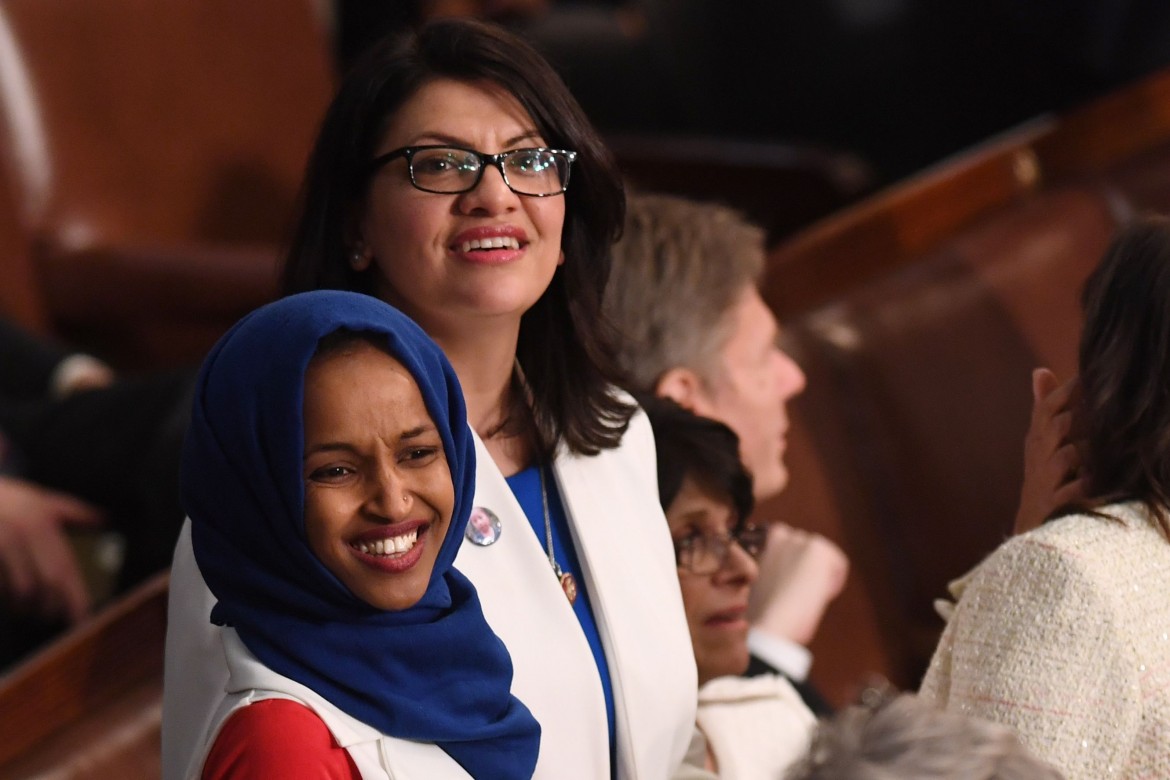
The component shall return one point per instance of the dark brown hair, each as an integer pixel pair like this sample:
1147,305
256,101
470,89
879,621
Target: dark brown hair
565,350
1124,409
705,450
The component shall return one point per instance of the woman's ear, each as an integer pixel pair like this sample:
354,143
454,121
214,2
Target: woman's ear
685,387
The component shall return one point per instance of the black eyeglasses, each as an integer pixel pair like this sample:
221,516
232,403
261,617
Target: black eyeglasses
448,170
701,553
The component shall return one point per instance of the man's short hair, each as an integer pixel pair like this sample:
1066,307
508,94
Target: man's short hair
678,270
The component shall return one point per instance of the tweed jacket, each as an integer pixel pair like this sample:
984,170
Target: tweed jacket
1063,634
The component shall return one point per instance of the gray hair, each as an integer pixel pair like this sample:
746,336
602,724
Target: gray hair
678,270
907,738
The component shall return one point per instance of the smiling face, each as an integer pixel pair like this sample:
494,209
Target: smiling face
716,603
378,490
752,384
450,261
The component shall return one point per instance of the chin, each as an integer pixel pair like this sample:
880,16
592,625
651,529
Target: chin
394,600
723,669
769,483
731,664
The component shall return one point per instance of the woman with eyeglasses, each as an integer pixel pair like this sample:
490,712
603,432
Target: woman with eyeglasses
753,727
440,182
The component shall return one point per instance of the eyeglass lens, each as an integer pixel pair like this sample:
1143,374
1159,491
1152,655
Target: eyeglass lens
706,553
526,171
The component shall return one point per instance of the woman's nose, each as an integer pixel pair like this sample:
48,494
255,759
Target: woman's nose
739,566
491,195
389,497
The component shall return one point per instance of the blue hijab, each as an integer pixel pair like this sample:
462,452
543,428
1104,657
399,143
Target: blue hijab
432,673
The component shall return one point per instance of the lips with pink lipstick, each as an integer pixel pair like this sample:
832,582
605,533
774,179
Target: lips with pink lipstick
489,244
392,549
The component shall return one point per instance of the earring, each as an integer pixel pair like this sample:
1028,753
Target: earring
359,261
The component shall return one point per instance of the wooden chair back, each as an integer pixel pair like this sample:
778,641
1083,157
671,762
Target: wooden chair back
89,706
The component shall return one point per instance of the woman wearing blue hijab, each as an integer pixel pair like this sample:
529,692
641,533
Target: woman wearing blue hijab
328,466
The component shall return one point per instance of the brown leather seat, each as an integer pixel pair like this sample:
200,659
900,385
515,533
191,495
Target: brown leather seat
89,706
918,315
780,186
1121,141
155,151
919,398
21,301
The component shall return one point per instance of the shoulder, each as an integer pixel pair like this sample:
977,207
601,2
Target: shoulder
634,458
639,434
1067,589
1078,548
277,738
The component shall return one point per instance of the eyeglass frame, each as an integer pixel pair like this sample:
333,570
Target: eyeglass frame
494,160
724,539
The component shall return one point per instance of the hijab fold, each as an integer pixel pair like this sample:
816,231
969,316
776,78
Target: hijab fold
432,673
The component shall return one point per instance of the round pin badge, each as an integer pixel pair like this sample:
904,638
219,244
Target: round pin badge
483,527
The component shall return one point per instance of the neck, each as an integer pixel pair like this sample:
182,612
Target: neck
484,363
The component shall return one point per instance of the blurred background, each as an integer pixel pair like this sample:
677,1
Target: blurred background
936,179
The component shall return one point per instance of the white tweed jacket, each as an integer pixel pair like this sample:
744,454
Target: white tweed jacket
1063,634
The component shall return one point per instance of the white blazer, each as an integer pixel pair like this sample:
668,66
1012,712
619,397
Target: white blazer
627,563
376,755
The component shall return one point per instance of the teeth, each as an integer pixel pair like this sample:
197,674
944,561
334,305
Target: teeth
495,242
395,545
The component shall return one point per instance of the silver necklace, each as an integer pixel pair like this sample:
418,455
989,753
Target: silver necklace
568,583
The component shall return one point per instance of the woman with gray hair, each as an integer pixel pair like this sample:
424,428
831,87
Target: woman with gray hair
908,739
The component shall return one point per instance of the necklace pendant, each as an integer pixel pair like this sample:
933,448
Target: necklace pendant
569,586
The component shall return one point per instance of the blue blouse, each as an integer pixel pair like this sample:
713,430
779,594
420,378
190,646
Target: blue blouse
525,486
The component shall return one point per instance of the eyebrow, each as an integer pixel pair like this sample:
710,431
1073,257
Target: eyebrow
443,138
697,517
341,446
330,446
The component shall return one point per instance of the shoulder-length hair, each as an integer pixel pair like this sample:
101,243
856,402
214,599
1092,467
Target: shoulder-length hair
1125,370
565,348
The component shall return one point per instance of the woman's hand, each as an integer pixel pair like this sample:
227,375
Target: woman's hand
1052,461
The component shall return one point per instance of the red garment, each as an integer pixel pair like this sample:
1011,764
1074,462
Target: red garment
277,738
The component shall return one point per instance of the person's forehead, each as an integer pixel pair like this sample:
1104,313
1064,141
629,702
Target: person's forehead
697,500
457,111
751,322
